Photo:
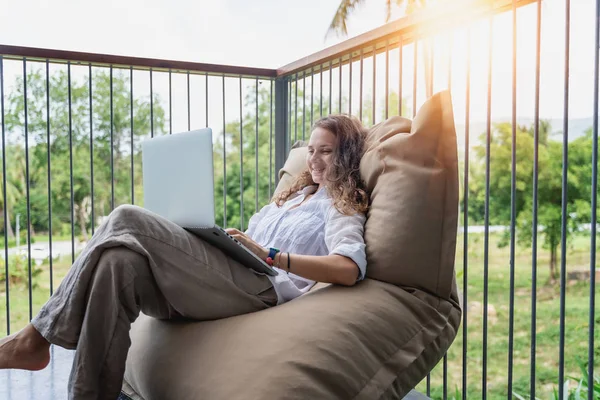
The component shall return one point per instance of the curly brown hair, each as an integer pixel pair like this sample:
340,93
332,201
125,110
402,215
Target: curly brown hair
343,181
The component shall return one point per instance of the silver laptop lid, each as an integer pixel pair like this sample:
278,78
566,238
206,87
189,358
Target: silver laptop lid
178,177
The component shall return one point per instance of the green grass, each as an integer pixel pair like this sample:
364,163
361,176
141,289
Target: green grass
547,332
547,320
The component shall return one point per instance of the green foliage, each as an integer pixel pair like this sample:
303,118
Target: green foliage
67,140
549,185
18,271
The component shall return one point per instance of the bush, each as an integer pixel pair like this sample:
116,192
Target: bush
18,271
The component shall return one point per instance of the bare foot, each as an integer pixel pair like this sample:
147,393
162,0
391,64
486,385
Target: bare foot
26,349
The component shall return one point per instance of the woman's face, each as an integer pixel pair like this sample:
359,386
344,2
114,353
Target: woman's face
321,148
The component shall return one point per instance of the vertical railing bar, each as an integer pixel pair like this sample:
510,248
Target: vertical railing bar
465,331
152,106
487,212
360,103
131,130
312,97
27,194
330,110
241,160
112,164
536,139
4,211
400,69
563,227
189,102
513,208
374,99
71,162
256,153
321,92
340,86
593,226
206,96
49,176
445,381
170,106
289,115
91,147
271,140
304,106
224,162
387,78
428,380
350,62
296,108
415,55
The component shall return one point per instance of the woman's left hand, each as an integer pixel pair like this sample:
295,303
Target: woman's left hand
248,242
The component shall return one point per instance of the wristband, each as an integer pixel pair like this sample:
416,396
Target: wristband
272,253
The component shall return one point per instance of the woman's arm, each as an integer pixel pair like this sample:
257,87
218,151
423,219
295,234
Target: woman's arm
333,268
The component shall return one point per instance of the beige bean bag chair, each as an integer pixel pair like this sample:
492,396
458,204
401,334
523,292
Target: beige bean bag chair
375,340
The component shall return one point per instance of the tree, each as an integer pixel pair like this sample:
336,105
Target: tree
64,135
549,185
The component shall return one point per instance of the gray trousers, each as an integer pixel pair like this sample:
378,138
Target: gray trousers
138,261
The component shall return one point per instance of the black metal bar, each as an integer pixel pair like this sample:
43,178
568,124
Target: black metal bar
27,194
415,55
170,106
486,245
71,162
465,330
350,62
445,381
131,129
330,110
321,92
49,175
312,97
4,211
281,121
296,109
563,225
534,228
360,103
271,138
152,106
206,97
256,152
112,155
401,69
289,115
340,87
592,322
303,106
513,208
387,78
91,148
188,102
241,160
428,382
374,100
224,162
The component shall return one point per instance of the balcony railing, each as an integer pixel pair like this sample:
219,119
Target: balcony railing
72,124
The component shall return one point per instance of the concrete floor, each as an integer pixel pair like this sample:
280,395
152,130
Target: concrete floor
51,383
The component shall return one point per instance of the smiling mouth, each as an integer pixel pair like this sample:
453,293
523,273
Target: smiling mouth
318,171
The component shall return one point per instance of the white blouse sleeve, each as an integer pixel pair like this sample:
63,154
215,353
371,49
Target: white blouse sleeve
255,219
344,236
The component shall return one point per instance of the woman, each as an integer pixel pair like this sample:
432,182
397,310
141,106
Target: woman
138,261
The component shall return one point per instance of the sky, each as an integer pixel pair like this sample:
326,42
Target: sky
273,33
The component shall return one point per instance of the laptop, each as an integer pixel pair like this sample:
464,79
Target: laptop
179,185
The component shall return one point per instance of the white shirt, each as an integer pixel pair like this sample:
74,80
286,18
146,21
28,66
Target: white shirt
314,228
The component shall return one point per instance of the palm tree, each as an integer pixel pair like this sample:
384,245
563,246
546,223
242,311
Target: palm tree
347,7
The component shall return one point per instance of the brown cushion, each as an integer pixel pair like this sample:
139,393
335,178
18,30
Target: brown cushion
411,172
333,343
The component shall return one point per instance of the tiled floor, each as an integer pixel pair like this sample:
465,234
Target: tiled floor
51,383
